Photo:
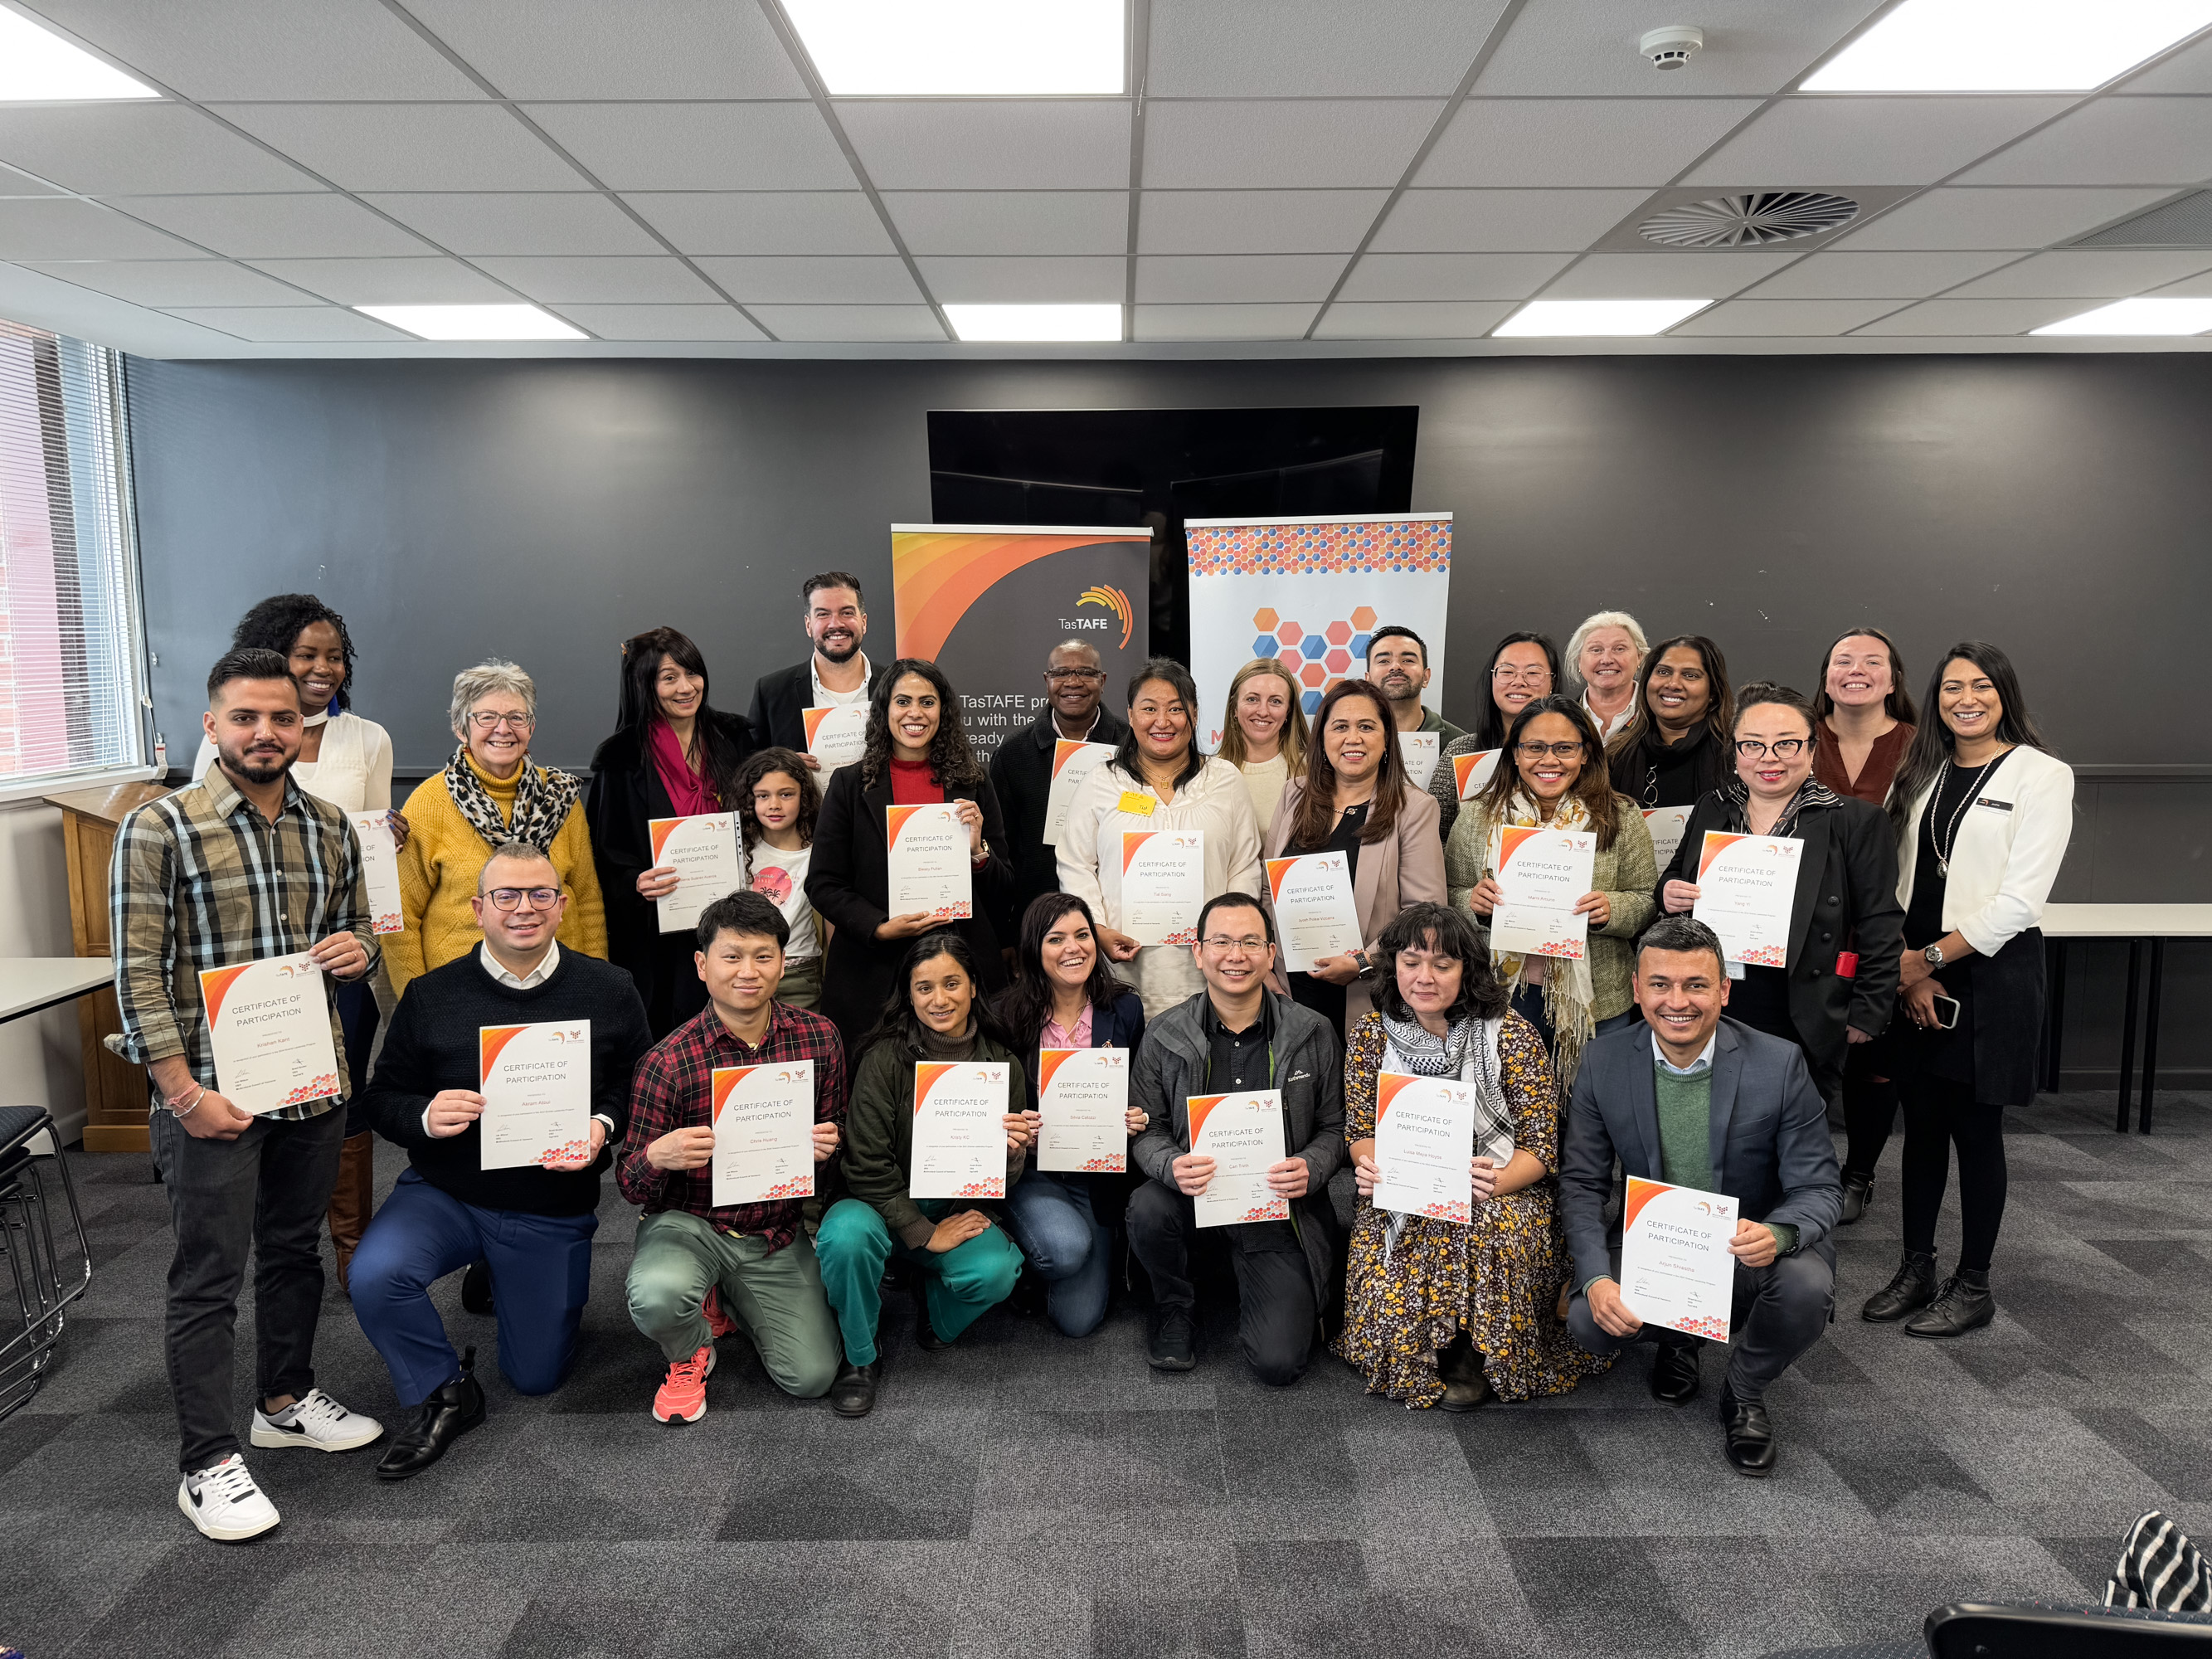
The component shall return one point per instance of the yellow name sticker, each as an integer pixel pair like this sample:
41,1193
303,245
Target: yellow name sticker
1131,801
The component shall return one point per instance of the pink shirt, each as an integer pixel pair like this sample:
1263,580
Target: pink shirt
1056,1035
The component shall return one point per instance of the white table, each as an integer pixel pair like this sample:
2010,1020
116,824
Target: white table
2138,924
28,984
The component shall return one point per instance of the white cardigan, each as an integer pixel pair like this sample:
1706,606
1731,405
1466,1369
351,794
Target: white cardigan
2010,843
1216,802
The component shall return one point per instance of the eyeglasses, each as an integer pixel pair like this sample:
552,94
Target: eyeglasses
1537,751
490,722
541,898
1532,675
1223,944
1787,749
1075,673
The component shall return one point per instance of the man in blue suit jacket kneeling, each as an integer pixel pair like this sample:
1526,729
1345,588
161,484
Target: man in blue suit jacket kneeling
1695,1100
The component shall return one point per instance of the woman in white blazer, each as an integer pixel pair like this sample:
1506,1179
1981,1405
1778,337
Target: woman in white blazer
1984,815
1158,780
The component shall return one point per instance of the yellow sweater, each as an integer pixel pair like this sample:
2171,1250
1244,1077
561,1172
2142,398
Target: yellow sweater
438,871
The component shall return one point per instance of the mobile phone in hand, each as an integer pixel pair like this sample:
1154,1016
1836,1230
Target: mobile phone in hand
1946,1012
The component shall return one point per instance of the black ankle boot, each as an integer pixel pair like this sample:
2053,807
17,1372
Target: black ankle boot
1858,1192
444,1418
1914,1287
1963,1304
1459,1365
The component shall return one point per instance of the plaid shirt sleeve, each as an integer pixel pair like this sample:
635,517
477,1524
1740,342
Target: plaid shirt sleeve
655,1108
139,881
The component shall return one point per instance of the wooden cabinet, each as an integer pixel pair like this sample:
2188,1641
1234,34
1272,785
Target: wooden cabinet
115,1089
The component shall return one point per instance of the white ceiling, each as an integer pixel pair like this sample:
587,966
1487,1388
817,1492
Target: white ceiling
1297,177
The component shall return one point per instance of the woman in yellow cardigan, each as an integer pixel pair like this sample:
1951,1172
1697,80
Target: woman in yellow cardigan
488,793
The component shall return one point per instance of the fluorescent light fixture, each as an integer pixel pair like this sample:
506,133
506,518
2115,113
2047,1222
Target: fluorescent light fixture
2008,45
1562,318
2138,317
1035,322
37,66
475,322
1029,48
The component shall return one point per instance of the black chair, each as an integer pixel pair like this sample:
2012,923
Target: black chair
46,1275
2035,1630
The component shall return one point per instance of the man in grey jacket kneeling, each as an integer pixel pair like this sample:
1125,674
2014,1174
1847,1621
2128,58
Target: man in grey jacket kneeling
1234,1039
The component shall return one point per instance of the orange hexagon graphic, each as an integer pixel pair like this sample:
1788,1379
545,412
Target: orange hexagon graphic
1312,674
1265,619
1363,618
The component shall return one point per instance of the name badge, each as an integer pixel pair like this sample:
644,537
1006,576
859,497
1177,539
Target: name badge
1995,806
1131,801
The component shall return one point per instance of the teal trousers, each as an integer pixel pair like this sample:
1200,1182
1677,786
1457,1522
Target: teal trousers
853,1244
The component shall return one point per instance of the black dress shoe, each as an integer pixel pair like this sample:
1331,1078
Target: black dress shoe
853,1393
1963,1304
1674,1373
476,1288
1465,1384
1749,1435
438,1421
1858,1192
1170,1347
1914,1287
925,1334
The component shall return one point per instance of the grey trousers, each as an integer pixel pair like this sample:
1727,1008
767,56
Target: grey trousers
265,1192
1779,1311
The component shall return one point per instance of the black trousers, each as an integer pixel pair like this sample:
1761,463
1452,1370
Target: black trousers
1276,1316
1778,1311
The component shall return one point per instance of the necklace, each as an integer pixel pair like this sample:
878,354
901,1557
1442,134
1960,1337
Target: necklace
1948,838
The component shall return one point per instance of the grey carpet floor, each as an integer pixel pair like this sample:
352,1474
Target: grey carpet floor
1027,1495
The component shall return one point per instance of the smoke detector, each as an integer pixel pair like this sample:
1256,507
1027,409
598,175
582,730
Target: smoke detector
1752,220
1671,47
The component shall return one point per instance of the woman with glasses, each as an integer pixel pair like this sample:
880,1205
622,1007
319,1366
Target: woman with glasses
489,794
1553,777
1263,735
1522,668
1840,981
1675,750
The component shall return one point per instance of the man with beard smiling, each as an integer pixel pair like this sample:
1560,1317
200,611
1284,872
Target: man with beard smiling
1398,664
1021,770
836,674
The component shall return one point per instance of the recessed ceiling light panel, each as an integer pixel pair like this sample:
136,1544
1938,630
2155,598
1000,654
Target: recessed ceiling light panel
1564,318
475,322
37,66
1088,322
2008,45
1750,221
2171,317
962,48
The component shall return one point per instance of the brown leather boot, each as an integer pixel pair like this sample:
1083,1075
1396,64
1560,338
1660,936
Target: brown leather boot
353,1199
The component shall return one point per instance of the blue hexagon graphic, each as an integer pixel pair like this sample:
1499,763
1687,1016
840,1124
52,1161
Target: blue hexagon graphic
1314,644
1358,646
1265,646
1311,702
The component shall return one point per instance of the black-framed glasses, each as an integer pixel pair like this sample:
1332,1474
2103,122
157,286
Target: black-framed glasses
1222,943
541,898
1075,673
1751,749
1537,751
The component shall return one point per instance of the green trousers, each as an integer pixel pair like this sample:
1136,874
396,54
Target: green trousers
776,1300
958,1285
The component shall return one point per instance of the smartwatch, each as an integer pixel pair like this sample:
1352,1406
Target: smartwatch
1366,968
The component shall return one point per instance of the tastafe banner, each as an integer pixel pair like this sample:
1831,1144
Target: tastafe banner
1309,591
986,603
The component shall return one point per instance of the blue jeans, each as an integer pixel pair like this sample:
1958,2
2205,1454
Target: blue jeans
541,1273
1050,1218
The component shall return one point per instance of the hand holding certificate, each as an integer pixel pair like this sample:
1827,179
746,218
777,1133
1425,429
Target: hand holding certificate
1746,885
1162,884
959,1130
379,870
1243,1136
269,1022
1675,1268
537,1089
1072,763
929,862
763,1132
1314,917
1424,1146
702,850
836,736
1083,1096
1542,875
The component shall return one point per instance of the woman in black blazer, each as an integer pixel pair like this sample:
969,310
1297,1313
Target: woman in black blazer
916,754
1840,982
672,755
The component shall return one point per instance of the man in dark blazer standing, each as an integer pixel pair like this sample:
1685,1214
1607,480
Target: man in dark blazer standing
1021,770
836,671
1695,1100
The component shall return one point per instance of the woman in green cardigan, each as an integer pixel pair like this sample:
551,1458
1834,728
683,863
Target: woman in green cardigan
964,1259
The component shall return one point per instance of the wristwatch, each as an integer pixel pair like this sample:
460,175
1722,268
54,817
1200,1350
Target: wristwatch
1934,953
1366,968
976,860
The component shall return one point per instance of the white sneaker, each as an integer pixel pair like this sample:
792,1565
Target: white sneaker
317,1422
224,1504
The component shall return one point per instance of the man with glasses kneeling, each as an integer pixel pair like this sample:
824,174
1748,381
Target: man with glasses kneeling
1235,1037
533,1223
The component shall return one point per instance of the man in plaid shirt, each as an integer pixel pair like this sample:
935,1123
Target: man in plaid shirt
693,1260
240,866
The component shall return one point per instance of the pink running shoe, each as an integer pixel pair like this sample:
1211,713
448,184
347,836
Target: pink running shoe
681,1397
719,1324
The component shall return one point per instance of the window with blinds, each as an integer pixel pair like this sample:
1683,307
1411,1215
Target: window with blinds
70,659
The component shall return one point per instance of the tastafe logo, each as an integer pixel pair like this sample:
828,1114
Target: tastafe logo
1114,600
572,1034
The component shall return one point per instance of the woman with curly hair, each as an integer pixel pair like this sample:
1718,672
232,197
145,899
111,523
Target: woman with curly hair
779,804
916,754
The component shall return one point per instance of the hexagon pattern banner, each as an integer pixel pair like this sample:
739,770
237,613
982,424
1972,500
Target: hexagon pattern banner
1309,592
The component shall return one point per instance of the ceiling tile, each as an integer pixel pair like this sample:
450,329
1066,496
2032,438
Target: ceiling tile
1452,276
61,227
1260,144
815,280
974,279
217,49
1998,218
716,322
324,225
700,146
1195,278
1502,220
1876,275
177,281
1568,48
1809,140
965,144
2189,69
765,220
2189,288
663,281
886,323
2112,141
13,183
408,146
1405,320
518,222
2094,274
306,323
124,150
1685,275
1256,220
1314,48
1223,322
391,282
639,49
1973,317
1011,221
1577,141
1784,316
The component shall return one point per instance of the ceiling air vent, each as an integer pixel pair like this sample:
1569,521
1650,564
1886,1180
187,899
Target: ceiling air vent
1750,221
2184,223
